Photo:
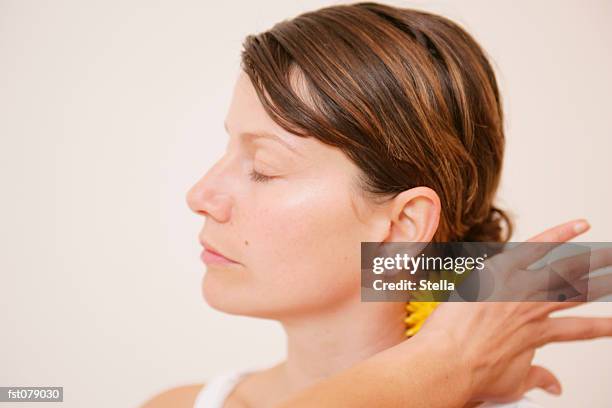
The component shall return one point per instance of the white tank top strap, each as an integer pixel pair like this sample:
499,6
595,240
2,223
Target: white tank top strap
216,390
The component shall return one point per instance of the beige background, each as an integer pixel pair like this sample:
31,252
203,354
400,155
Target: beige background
110,110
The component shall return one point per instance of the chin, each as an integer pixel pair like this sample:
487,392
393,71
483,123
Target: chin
230,296
239,298
217,293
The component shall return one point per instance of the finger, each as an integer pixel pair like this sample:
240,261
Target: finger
598,286
543,309
559,329
574,267
577,291
539,310
583,290
536,247
562,232
540,377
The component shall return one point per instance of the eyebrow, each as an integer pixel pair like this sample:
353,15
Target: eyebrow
268,135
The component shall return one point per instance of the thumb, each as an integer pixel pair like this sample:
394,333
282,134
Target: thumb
540,377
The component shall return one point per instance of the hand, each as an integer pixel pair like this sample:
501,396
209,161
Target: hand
496,341
507,277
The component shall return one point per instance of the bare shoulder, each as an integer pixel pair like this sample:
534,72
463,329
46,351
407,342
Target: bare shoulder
180,397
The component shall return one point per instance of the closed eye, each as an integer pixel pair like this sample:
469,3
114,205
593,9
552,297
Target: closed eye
258,177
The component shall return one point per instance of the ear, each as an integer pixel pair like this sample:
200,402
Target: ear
414,215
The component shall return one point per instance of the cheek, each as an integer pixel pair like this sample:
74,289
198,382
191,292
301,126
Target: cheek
306,242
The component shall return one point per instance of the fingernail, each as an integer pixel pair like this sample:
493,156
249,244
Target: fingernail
553,389
581,227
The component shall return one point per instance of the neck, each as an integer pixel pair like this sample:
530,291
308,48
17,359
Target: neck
322,345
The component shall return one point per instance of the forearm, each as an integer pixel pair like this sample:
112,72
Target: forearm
416,374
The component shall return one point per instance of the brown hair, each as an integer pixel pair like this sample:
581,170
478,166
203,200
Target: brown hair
407,95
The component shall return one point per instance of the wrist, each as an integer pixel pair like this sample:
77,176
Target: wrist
455,371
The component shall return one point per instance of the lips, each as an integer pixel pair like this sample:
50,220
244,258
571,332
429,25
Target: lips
212,255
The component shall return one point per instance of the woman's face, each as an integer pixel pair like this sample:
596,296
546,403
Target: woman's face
296,237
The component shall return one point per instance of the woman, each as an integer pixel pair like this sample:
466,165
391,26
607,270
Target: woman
351,123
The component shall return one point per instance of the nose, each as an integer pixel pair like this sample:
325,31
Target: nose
210,195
